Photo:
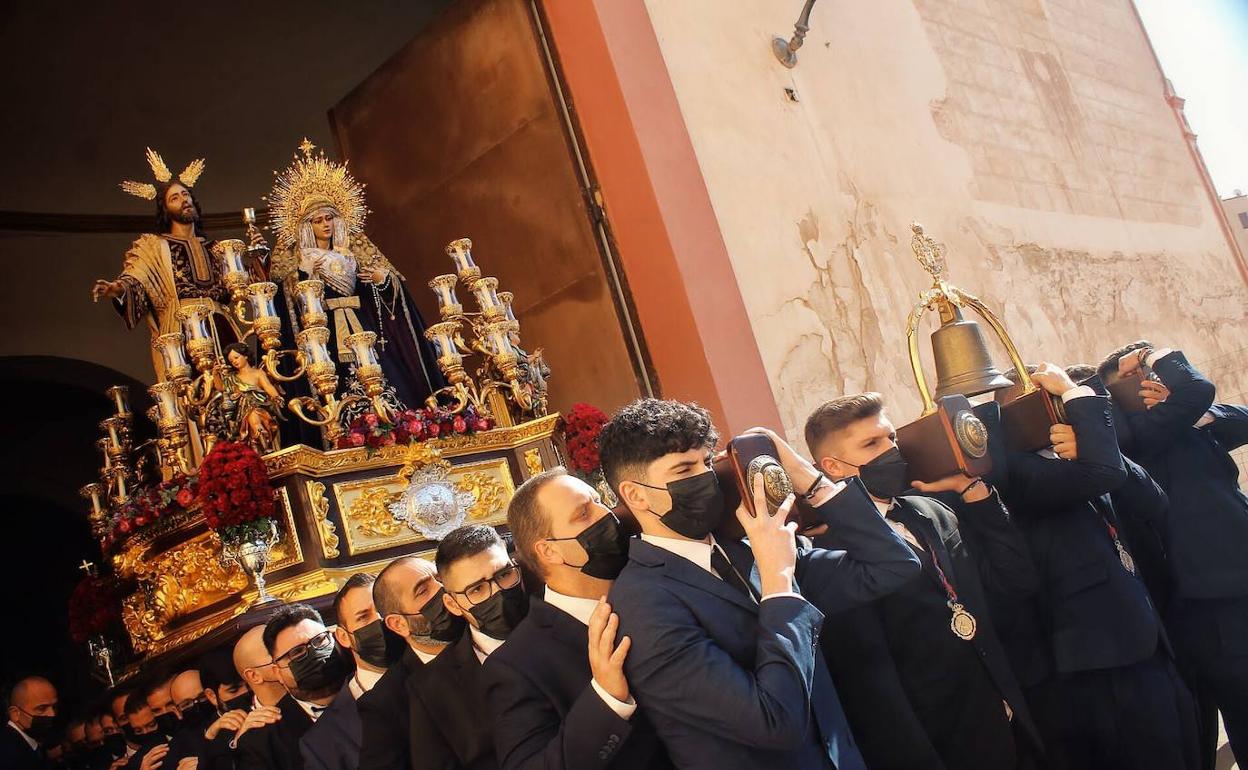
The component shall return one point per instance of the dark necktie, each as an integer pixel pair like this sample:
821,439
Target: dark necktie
726,572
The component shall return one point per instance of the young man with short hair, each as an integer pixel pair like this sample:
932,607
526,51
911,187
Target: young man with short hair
450,724
724,656
923,677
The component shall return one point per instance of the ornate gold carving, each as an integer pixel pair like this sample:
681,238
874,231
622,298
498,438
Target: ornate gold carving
533,461
491,496
324,527
361,499
313,462
370,514
177,582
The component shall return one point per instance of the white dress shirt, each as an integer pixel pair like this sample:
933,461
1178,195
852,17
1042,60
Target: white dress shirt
313,710
699,553
34,744
425,657
362,681
581,609
483,644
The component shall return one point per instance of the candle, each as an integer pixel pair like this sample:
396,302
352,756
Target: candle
361,345
165,394
120,394
169,346
506,297
460,252
312,310
95,493
444,288
487,299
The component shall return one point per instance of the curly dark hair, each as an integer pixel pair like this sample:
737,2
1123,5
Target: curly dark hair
1110,363
164,222
647,429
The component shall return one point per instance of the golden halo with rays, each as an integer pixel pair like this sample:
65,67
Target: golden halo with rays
308,183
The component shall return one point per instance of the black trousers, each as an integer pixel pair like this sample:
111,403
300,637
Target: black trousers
1211,640
1137,717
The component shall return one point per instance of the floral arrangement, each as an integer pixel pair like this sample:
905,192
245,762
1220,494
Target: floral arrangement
369,430
150,504
581,427
234,491
94,607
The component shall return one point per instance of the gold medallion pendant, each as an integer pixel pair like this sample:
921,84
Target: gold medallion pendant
1127,562
963,623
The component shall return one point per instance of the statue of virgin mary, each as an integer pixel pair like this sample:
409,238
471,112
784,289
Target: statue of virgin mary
317,212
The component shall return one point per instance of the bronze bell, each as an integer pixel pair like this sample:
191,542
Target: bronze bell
963,364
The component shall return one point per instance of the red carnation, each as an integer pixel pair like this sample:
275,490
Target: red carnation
185,497
459,424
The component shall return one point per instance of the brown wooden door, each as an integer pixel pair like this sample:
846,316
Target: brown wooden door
462,133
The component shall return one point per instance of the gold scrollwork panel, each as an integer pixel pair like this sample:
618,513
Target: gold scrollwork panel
369,526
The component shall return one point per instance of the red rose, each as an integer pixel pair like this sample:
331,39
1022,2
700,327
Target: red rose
124,525
184,497
387,439
357,439
371,420
459,425
434,429
140,520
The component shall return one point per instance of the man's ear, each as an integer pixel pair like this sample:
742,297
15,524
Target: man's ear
397,624
211,695
547,553
835,469
451,606
344,638
633,495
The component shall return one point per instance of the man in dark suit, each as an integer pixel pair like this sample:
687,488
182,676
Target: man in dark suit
333,743
557,689
924,679
1116,699
408,597
724,657
450,720
31,705
146,745
312,670
225,691
1184,441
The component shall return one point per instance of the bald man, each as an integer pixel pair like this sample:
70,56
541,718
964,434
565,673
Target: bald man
32,721
255,665
187,693
408,597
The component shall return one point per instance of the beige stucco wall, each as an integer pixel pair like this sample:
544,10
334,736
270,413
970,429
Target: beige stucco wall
1032,137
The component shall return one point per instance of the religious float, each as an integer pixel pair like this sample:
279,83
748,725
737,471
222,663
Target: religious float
211,521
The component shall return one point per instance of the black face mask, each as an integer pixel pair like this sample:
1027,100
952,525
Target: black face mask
201,714
242,701
499,615
145,741
41,726
320,672
606,544
168,723
885,476
697,505
443,625
115,744
377,645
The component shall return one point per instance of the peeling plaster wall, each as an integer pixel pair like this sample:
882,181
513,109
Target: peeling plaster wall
1031,137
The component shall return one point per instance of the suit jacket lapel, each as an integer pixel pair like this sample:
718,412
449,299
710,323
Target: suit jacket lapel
925,530
682,570
562,626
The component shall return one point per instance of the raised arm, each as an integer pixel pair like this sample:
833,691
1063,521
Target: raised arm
1190,397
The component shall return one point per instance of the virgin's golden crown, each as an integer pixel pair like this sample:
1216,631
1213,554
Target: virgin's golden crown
310,182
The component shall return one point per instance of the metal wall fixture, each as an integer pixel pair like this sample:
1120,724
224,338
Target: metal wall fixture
786,50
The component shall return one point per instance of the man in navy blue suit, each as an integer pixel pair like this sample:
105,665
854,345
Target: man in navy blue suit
333,741
1115,699
1183,440
724,656
557,689
925,680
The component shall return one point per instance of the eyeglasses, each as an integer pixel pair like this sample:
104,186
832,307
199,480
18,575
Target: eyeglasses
321,641
507,577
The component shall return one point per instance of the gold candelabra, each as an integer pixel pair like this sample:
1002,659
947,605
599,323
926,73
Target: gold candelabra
510,384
